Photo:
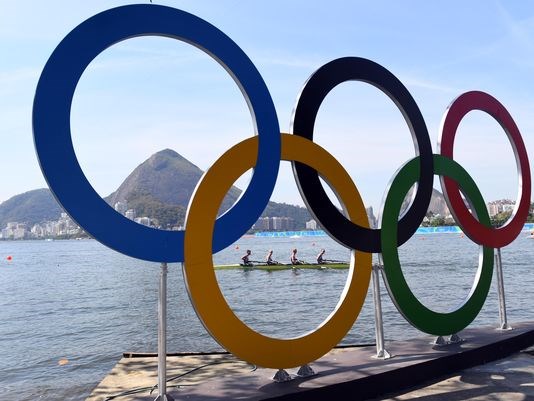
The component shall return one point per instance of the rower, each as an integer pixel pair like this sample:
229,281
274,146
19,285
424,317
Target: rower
269,259
320,258
246,259
294,259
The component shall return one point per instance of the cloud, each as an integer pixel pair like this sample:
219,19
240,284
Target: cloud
410,81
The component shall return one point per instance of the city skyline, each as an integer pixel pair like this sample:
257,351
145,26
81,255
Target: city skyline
65,227
147,94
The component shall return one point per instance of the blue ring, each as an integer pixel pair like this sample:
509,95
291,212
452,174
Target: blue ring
53,142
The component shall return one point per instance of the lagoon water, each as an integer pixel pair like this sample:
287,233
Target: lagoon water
69,309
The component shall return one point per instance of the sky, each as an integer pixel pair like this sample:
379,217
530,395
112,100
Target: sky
147,94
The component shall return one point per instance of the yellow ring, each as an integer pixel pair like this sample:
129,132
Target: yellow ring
211,306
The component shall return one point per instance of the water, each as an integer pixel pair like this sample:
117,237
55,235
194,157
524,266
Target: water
81,302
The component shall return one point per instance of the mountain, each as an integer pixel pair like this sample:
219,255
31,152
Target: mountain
167,177
438,205
31,207
161,187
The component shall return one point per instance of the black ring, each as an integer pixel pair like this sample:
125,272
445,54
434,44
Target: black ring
311,189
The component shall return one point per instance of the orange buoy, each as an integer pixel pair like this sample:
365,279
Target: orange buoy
9,258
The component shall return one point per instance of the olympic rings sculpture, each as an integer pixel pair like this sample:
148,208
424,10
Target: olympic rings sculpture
206,234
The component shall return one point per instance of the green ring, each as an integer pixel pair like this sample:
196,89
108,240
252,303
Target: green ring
409,306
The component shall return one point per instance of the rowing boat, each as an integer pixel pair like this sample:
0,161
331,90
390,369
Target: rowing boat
267,267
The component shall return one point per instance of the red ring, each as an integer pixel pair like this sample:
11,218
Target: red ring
487,236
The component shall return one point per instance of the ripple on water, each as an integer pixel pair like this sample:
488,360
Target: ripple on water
79,301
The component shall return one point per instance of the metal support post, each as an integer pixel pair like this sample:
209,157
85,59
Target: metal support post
381,352
500,291
162,337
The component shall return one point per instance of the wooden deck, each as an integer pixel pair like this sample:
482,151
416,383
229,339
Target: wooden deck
351,370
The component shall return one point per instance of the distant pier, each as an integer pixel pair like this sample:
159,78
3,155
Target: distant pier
321,233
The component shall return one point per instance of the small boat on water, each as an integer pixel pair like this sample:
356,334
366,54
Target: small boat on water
266,267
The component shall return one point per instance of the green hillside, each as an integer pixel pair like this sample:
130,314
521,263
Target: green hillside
161,187
31,207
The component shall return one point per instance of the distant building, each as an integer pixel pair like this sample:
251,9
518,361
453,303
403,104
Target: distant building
311,225
276,223
20,232
14,230
508,207
262,224
121,207
130,214
288,223
493,209
143,220
499,206
64,226
37,231
282,223
9,231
